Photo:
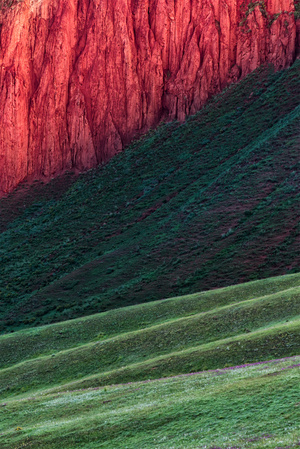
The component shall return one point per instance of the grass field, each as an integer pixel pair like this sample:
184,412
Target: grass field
160,375
254,406
235,325
190,207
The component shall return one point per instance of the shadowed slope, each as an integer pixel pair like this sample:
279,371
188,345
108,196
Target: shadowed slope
193,206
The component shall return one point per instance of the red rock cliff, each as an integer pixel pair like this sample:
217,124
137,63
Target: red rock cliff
80,78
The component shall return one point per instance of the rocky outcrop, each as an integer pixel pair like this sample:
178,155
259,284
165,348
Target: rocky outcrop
80,78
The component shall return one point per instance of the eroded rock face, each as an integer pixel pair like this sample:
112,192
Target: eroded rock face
80,78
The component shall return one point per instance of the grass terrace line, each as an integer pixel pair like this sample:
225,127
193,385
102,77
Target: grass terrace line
35,342
201,331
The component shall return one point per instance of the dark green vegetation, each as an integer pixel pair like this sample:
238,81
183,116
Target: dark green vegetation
297,9
190,207
55,380
6,4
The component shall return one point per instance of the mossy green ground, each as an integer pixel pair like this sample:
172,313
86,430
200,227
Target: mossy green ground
190,207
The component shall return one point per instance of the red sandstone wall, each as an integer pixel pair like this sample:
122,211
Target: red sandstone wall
80,78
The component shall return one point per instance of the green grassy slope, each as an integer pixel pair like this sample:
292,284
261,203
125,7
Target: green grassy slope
250,407
190,207
244,323
28,344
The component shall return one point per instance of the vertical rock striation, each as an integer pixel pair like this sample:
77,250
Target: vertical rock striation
80,78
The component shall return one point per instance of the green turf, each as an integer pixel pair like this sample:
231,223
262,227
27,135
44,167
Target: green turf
34,342
244,323
251,407
190,207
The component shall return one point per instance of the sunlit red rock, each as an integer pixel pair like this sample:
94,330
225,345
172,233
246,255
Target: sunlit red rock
80,78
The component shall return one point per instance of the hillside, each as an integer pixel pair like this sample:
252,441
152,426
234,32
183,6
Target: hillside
251,407
51,376
244,323
190,207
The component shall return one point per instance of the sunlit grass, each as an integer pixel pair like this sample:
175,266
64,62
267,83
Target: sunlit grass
250,407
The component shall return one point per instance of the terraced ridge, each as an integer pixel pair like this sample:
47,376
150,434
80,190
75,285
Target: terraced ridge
190,207
244,323
58,382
